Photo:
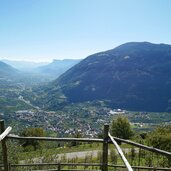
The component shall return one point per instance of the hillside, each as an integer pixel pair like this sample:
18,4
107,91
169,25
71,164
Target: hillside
133,76
7,70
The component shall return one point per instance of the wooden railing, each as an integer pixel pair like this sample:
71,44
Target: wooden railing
104,165
3,136
107,139
152,149
5,133
128,166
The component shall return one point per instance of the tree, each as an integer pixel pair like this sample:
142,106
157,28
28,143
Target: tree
121,128
32,132
74,143
161,138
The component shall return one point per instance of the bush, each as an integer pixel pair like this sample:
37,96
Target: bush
121,128
32,132
161,138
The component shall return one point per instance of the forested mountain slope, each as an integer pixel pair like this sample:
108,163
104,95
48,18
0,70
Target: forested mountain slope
134,76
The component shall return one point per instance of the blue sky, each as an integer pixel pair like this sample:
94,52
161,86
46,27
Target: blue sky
42,30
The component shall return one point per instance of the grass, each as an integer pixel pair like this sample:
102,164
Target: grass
50,154
51,149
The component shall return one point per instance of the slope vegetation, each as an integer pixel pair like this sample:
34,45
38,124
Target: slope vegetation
134,76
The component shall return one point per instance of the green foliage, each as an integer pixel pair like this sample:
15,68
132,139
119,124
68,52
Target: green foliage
29,145
113,156
121,128
99,156
11,104
161,138
76,135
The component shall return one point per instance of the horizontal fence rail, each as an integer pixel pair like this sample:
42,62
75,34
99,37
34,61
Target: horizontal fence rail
56,164
103,165
141,167
152,149
5,133
88,164
56,139
65,170
128,166
59,165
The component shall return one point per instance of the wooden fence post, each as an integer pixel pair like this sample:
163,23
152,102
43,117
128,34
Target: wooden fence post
4,147
9,165
59,166
105,148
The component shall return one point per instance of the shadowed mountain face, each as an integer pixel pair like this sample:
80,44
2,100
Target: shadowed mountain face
134,76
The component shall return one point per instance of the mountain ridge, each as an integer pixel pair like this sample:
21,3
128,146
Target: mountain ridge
24,65
57,67
134,76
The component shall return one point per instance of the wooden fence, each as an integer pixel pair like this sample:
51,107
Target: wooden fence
107,139
3,135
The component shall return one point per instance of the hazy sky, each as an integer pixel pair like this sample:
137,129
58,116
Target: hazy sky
42,30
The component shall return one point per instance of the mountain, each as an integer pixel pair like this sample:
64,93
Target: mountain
132,76
7,70
49,71
57,67
24,65
10,75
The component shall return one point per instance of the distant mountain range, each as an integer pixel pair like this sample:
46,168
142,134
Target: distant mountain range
24,65
6,70
132,76
51,70
17,82
57,67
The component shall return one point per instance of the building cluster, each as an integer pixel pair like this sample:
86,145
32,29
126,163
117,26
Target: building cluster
88,123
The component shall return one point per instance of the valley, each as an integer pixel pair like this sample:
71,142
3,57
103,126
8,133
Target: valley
86,119
135,76
85,85
89,93
77,103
